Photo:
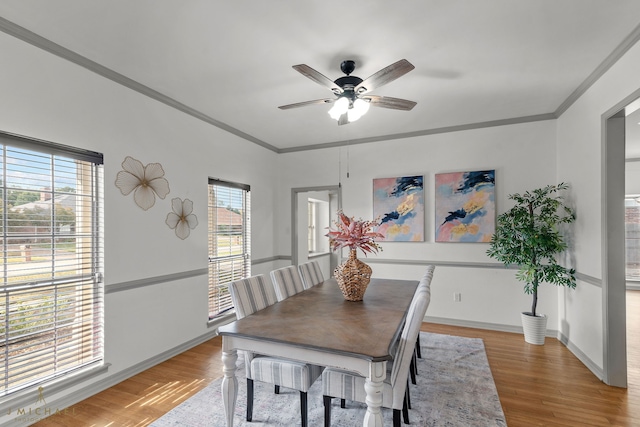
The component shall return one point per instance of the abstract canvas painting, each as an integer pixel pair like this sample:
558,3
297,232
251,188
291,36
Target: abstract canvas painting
399,203
465,206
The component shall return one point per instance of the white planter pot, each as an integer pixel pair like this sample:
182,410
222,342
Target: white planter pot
535,328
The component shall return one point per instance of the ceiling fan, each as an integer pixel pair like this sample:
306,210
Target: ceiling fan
352,100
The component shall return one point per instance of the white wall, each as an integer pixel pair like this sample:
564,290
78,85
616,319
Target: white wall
523,156
48,98
580,163
632,177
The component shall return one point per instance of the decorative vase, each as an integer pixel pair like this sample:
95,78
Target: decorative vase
535,328
353,276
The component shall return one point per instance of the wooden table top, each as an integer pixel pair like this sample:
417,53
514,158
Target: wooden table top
320,318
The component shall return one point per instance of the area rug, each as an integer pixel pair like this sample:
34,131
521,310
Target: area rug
454,388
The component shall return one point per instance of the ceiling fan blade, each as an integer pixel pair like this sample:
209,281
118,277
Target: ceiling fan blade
344,120
318,77
305,103
389,102
384,76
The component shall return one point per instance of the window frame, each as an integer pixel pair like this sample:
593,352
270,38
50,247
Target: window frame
317,221
81,280
632,227
222,264
312,225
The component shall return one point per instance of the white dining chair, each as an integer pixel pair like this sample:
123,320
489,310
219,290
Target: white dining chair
287,282
311,274
254,294
350,385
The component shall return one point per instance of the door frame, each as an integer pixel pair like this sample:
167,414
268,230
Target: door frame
614,309
337,189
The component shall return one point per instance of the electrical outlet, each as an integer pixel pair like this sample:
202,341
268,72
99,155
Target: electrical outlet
457,297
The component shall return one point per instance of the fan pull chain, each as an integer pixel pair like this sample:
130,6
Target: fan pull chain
340,167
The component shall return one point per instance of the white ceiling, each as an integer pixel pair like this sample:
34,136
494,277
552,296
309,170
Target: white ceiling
229,62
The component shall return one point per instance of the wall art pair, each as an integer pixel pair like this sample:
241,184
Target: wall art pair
148,181
464,207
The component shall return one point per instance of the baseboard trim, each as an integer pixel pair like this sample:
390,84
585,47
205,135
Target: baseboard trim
586,361
92,389
480,325
79,395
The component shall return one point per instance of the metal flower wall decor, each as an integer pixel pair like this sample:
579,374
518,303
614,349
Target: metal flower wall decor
146,182
182,219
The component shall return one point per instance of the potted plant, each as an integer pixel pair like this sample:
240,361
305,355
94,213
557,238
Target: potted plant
353,275
528,236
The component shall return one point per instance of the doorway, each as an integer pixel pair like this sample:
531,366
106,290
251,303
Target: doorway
313,209
632,238
619,142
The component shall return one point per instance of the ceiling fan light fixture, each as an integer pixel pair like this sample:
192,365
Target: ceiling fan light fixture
348,106
359,109
339,108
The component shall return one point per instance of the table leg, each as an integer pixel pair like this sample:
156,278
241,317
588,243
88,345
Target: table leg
229,383
373,388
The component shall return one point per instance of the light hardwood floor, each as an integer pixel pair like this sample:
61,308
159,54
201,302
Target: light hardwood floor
538,385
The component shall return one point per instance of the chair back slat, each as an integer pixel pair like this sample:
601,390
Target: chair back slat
251,294
311,274
286,282
415,317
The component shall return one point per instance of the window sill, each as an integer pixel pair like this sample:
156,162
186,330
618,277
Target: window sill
318,254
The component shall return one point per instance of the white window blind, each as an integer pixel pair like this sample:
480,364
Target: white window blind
51,294
229,241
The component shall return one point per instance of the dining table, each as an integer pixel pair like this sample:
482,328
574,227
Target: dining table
319,326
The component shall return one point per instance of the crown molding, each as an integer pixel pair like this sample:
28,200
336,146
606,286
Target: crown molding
608,62
47,45
34,39
434,131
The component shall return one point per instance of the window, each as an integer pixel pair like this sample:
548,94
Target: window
229,241
51,306
312,210
317,223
